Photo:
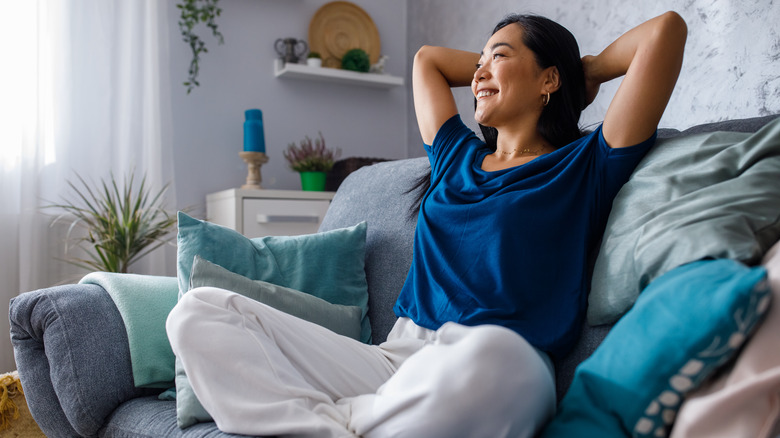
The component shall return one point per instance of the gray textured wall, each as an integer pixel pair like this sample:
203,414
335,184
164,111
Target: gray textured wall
731,67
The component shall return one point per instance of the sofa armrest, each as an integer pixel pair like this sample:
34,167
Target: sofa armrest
72,354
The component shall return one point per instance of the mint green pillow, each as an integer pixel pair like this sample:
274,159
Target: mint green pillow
692,197
327,265
685,325
344,320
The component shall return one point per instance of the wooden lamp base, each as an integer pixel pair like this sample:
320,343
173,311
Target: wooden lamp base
255,160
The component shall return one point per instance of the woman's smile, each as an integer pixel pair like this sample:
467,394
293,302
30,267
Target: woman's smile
486,93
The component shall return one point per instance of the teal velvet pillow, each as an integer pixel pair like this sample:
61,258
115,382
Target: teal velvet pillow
685,324
327,265
692,197
344,320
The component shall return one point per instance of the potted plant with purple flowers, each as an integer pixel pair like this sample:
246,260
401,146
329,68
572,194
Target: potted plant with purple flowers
313,160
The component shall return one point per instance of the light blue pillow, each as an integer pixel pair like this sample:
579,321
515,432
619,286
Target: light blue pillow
692,197
685,325
327,265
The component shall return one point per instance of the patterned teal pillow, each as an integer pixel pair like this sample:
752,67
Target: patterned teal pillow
684,325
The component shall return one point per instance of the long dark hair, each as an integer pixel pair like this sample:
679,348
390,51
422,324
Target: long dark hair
552,45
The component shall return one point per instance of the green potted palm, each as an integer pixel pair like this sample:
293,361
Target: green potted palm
120,226
313,160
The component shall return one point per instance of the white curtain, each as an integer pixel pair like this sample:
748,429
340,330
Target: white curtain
84,90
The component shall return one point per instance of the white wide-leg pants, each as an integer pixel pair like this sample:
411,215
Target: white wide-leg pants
259,371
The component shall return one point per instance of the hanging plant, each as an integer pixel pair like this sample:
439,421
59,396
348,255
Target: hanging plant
192,13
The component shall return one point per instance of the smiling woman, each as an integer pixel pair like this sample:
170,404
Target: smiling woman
500,219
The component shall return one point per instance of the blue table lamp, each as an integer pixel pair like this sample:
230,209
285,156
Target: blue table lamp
254,148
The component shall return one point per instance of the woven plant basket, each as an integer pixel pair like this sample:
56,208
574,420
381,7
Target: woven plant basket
15,418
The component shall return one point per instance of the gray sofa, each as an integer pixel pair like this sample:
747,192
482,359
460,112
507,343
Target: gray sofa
71,346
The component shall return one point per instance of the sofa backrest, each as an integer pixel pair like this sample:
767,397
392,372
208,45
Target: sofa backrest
378,194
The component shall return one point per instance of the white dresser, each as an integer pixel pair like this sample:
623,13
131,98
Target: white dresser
258,213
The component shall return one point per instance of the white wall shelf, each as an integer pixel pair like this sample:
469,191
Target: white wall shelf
332,75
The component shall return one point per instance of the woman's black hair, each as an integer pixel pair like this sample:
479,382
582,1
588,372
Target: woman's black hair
552,45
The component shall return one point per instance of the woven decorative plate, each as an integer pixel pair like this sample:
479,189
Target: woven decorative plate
340,26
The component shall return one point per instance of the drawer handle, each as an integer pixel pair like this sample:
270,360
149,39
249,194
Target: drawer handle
281,219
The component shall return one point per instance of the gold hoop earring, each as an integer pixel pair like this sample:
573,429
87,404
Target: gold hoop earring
547,99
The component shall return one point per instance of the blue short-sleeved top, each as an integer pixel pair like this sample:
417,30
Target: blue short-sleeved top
510,247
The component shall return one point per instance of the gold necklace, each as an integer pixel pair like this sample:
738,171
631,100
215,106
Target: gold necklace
526,151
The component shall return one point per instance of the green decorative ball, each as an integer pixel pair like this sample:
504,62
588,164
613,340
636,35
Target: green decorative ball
356,60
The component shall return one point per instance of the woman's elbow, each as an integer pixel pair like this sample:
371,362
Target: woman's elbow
673,26
423,54
425,62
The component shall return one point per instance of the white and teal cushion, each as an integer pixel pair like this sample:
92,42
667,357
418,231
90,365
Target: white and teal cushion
692,197
685,325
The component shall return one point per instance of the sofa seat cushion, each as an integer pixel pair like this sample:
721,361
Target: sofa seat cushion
146,417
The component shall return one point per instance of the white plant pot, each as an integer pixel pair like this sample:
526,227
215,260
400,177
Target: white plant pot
314,62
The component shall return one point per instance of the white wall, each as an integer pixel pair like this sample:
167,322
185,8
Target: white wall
236,76
730,68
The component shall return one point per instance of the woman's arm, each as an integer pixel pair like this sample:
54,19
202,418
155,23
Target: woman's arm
650,56
435,70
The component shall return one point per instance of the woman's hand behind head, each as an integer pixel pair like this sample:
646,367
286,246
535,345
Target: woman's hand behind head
592,85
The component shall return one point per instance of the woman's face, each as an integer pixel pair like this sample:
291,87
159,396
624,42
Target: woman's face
508,82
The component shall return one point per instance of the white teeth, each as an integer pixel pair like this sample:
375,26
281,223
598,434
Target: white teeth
485,93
